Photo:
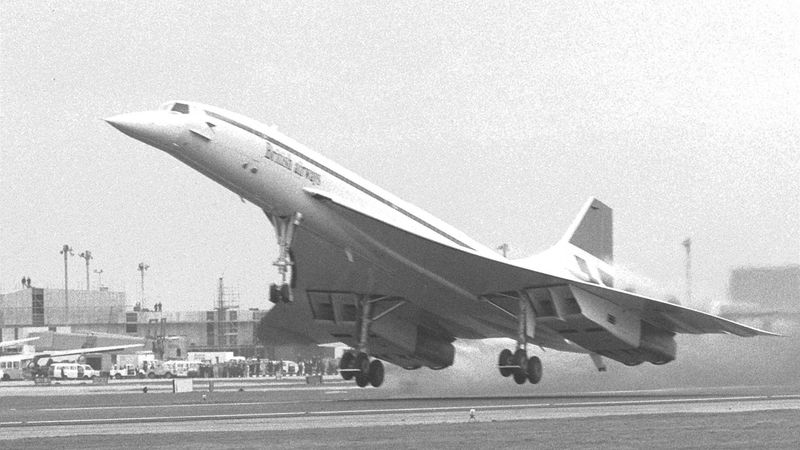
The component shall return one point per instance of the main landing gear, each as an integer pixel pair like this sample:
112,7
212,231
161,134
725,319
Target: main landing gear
357,364
517,363
284,229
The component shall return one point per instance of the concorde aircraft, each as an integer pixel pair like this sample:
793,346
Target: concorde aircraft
362,267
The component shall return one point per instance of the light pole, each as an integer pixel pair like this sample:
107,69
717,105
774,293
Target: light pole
687,243
504,249
142,268
87,255
99,278
66,250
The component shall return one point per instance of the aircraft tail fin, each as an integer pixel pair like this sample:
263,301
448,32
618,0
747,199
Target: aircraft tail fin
593,230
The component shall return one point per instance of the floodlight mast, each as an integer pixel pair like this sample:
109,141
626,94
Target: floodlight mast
687,243
504,248
142,268
99,278
87,255
66,250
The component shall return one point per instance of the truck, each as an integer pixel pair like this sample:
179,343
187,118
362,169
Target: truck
210,357
118,372
180,368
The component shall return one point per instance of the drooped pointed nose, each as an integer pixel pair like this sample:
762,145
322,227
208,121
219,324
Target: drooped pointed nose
138,125
161,129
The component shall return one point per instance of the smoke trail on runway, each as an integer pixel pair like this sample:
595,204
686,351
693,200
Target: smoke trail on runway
703,361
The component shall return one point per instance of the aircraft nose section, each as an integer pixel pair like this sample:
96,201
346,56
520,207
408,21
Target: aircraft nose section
137,125
160,129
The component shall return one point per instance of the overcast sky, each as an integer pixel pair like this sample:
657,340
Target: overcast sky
501,119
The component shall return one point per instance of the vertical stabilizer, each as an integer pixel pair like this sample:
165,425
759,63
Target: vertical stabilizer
593,230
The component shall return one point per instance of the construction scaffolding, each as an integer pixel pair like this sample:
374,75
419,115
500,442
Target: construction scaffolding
227,307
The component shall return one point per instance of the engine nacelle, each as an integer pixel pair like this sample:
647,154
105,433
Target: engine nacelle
437,352
657,346
409,345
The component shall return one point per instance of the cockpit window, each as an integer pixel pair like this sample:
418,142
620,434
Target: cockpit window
182,108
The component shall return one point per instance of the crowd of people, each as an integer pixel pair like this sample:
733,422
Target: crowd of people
266,368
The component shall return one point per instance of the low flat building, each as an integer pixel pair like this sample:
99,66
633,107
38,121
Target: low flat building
38,311
765,297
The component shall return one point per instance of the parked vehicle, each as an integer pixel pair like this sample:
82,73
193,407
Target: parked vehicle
286,367
176,368
153,369
10,370
125,371
72,371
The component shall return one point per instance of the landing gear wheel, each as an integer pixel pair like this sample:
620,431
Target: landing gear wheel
521,361
286,294
534,370
347,363
280,293
274,293
375,373
505,360
362,380
362,364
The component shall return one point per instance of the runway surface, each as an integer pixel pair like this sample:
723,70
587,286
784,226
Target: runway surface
278,413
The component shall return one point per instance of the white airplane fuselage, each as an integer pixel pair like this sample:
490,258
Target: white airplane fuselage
279,175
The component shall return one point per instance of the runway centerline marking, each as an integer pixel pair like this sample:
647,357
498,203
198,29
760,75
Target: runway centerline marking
174,405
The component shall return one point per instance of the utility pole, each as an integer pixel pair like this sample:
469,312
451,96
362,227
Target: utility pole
66,250
142,268
687,243
99,278
87,255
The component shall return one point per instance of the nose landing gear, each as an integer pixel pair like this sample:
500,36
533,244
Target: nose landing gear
284,230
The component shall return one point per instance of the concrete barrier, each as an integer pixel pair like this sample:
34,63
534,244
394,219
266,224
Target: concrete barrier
42,381
182,385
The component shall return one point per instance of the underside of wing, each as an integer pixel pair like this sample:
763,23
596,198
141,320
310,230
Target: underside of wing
426,294
673,317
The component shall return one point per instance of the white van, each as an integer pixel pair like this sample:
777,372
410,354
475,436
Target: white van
72,371
181,368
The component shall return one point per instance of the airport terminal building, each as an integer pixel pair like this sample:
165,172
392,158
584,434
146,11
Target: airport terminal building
107,316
